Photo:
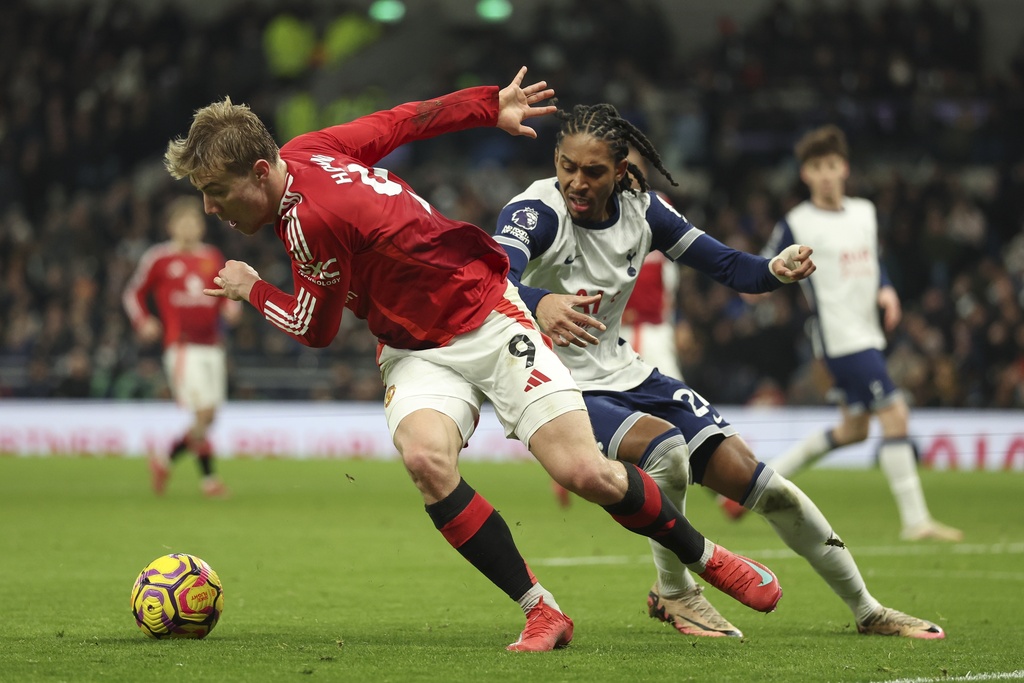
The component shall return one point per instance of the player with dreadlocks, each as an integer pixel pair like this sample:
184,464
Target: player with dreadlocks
576,242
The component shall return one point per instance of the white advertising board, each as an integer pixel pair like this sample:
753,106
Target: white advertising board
946,439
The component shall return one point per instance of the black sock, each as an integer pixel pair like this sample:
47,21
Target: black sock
179,447
646,511
478,532
206,464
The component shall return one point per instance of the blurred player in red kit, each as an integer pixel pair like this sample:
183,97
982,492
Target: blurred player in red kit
452,330
174,274
649,320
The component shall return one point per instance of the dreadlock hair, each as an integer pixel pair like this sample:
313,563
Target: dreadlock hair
603,122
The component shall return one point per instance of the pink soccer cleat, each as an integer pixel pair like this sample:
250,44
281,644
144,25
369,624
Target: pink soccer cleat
546,629
741,578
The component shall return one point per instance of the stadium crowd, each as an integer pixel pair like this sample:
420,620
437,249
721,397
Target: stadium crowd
90,95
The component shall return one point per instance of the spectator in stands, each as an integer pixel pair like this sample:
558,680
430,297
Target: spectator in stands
895,77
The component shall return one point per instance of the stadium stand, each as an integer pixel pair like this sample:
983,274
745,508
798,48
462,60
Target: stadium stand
91,93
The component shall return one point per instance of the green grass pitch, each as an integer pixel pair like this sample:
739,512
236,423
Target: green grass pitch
333,572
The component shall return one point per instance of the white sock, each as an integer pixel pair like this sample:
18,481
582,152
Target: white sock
804,454
700,565
800,524
533,596
671,472
896,458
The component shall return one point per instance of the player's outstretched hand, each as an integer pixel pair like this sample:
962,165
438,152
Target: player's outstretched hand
793,263
235,281
560,320
516,104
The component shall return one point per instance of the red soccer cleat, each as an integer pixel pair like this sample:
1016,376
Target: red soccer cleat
731,509
561,494
546,629
159,473
214,488
750,582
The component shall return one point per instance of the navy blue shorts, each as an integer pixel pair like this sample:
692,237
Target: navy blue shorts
862,381
613,413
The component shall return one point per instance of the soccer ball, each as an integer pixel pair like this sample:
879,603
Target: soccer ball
177,596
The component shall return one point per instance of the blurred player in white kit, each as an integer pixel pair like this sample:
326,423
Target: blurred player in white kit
846,293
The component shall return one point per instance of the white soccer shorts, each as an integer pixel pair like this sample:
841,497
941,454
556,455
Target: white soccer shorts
506,360
197,374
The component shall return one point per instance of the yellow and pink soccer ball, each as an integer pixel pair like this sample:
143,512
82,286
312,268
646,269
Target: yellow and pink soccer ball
177,596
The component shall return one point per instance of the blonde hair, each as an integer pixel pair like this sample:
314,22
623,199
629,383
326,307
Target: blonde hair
828,139
223,137
183,205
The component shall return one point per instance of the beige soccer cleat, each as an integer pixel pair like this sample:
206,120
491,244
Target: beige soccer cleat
890,622
932,531
691,614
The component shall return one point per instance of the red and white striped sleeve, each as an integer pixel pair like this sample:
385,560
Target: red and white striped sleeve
140,284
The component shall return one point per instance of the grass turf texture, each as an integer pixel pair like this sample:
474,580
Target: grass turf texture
332,570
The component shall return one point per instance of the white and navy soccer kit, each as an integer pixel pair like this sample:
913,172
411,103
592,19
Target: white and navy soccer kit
846,330
549,253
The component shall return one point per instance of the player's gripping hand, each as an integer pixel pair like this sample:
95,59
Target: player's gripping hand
560,320
235,281
793,263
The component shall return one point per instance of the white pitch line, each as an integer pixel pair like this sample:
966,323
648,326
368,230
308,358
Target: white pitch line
589,561
954,574
786,554
994,676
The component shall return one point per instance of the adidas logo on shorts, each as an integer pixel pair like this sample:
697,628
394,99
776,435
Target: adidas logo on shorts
536,379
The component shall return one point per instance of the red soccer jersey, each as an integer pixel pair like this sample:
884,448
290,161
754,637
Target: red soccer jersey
360,238
176,280
652,299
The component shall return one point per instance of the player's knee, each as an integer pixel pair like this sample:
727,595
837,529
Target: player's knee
426,464
672,469
593,480
894,419
853,431
778,496
859,433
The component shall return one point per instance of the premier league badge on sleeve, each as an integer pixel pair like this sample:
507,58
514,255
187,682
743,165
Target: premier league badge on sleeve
525,218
